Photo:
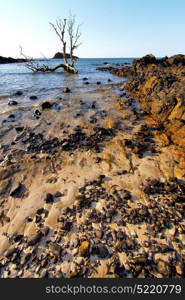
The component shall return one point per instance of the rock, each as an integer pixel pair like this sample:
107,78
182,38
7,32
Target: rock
60,55
84,248
37,113
85,78
162,268
55,248
46,105
58,194
176,59
4,185
33,240
99,234
44,273
49,198
103,252
66,90
180,269
19,128
98,82
11,252
18,190
33,97
143,212
18,93
12,102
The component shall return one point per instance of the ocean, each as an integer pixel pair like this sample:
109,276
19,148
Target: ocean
46,86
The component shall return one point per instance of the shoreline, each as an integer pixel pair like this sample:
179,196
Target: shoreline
89,190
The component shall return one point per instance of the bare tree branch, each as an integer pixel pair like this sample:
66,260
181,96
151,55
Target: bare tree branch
61,27
74,36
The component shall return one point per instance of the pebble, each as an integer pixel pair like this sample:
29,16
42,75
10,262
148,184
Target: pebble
18,93
33,97
66,90
84,248
99,234
49,198
35,239
12,102
46,105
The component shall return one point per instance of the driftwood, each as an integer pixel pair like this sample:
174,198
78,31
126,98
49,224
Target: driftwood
60,29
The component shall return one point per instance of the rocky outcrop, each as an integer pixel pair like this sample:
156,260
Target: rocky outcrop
10,60
159,87
60,55
127,71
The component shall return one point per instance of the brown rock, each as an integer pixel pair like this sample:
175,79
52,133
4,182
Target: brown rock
84,248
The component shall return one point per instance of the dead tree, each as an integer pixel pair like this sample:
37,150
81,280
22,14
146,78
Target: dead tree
61,28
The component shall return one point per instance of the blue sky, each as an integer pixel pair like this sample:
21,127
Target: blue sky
110,28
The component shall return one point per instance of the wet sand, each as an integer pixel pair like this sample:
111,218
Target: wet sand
86,191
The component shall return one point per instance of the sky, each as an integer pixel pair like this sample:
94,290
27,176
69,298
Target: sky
110,28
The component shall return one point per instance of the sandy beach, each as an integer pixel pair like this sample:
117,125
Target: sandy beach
92,187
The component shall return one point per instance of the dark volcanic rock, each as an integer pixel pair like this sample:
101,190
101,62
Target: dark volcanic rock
49,198
33,97
12,102
46,105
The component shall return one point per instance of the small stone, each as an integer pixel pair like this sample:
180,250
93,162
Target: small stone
162,268
19,129
66,90
33,97
37,112
44,273
143,212
120,235
98,82
10,252
84,248
46,105
55,249
18,93
99,234
17,190
35,239
12,102
58,194
180,269
49,198
103,252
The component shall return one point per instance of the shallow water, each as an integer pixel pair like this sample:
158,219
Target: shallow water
16,77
